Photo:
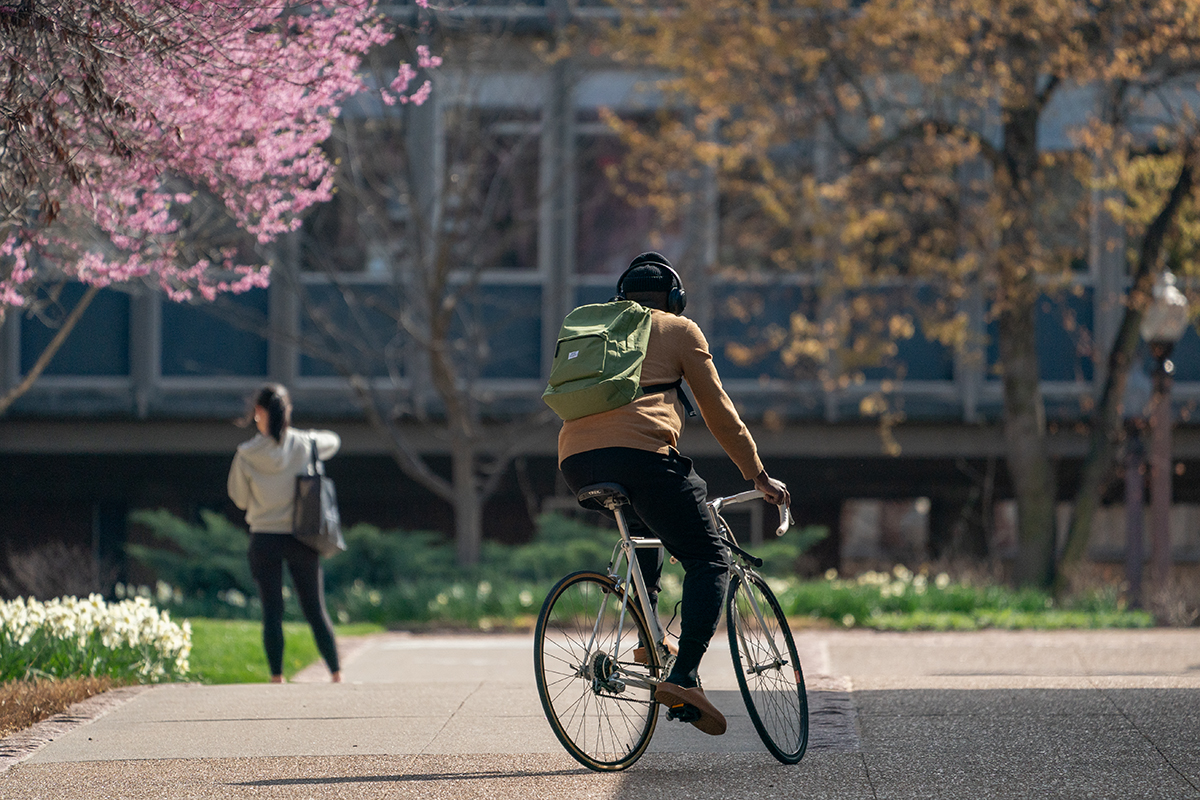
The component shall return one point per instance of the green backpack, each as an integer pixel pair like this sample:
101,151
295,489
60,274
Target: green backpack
598,360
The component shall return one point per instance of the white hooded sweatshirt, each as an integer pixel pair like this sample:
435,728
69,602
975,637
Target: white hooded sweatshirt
262,480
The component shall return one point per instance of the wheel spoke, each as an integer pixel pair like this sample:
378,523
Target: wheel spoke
578,655
768,669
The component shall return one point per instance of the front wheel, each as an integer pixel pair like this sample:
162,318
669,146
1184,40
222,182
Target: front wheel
598,698
767,667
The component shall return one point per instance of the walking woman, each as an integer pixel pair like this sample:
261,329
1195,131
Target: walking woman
262,483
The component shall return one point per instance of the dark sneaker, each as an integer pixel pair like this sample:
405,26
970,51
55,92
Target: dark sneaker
673,696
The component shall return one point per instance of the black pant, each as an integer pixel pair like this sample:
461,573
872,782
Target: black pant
268,551
667,499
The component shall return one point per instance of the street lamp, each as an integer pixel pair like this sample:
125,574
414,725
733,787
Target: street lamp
1164,323
1136,401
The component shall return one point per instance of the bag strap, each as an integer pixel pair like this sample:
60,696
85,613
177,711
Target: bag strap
314,464
666,387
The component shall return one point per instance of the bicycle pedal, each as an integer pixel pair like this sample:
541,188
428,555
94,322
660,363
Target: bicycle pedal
683,712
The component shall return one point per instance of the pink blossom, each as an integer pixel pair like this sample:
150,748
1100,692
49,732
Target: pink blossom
239,111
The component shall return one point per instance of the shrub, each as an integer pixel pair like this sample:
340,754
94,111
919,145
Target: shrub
203,562
903,600
411,577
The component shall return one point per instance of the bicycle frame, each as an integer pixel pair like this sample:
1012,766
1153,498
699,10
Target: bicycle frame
743,570
627,549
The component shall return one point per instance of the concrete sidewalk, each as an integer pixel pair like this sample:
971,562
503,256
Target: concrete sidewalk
972,715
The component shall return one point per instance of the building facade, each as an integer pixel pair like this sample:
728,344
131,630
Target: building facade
507,175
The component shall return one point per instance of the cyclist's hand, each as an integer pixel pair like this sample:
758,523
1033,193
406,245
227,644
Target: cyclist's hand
775,492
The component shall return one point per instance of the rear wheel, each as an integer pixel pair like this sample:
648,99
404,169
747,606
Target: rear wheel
767,667
598,699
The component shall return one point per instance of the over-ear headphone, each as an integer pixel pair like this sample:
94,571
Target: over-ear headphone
676,297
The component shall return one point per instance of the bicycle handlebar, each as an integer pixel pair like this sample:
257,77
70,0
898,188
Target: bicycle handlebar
785,515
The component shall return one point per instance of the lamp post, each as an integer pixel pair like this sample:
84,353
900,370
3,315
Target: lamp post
1162,326
1135,402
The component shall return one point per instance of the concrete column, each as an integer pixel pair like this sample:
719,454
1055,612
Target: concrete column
557,206
145,348
701,233
283,312
425,135
825,169
10,350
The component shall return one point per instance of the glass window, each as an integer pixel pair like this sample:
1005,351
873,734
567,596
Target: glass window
1061,213
611,227
490,189
218,339
755,241
99,343
354,326
366,227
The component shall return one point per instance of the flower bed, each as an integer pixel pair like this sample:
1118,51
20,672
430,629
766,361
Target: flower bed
69,637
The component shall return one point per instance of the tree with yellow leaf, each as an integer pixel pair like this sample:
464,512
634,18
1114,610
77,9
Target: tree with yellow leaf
890,148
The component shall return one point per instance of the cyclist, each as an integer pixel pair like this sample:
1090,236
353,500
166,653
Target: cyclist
635,446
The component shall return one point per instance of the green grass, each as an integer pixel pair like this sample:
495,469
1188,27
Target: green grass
231,651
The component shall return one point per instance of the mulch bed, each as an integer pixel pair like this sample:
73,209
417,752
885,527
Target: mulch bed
23,703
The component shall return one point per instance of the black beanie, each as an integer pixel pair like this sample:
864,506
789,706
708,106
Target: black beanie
645,275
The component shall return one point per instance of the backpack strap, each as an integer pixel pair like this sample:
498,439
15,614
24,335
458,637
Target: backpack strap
666,387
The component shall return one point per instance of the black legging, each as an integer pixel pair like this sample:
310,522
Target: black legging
268,551
668,498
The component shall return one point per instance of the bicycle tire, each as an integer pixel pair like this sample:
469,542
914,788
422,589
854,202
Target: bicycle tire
603,727
773,692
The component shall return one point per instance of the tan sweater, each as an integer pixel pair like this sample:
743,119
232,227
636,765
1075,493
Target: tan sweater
654,422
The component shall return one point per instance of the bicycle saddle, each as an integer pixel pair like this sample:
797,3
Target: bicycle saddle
599,496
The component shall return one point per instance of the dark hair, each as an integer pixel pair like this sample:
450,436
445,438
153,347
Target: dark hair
275,399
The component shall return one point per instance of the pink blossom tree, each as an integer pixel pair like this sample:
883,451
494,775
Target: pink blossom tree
117,115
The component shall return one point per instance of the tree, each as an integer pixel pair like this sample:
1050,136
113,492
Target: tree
1157,201
427,200
894,143
119,116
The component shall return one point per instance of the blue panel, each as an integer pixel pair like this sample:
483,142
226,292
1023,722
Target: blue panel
98,345
917,357
744,319
586,295
510,317
201,339
1064,338
925,359
1186,356
1064,333
355,326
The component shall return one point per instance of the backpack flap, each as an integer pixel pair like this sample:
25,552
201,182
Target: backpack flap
598,360
579,358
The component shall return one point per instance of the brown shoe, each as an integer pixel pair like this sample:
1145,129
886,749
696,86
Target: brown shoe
640,654
672,695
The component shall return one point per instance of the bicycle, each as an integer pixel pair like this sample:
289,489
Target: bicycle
596,673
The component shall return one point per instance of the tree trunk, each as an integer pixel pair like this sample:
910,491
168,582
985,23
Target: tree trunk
468,504
1024,433
1107,421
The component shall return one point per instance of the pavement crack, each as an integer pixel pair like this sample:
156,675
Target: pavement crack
1133,724
450,718
867,773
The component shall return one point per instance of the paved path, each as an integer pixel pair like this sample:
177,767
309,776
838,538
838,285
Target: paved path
978,715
